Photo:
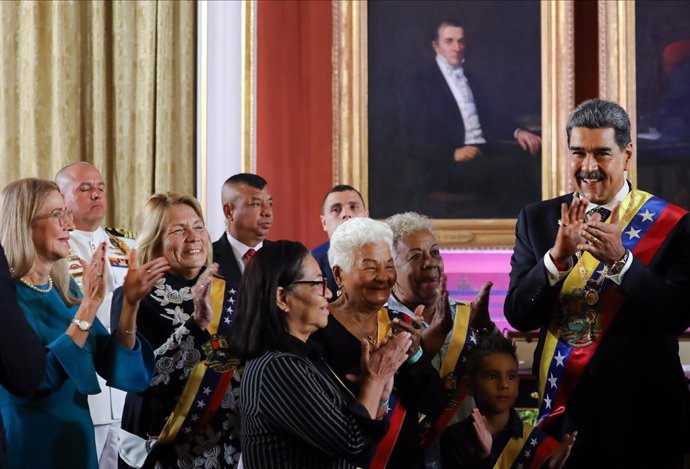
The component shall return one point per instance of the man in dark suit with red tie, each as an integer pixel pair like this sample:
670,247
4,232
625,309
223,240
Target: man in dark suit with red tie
248,210
604,273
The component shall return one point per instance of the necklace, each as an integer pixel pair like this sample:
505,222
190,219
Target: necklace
35,288
364,335
591,293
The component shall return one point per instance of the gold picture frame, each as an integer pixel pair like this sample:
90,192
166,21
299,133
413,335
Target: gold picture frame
617,66
350,123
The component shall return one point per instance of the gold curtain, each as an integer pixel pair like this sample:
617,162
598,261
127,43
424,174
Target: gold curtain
112,83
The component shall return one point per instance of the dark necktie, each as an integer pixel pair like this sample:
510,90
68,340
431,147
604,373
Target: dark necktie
604,212
248,256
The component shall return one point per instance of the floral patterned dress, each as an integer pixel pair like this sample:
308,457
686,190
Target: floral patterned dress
203,439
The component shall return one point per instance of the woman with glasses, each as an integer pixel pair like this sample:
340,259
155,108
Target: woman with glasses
188,416
296,412
361,257
52,428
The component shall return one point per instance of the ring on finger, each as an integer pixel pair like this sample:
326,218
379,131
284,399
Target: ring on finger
99,274
560,223
595,240
148,271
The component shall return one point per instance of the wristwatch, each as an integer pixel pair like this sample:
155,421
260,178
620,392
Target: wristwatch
82,324
617,266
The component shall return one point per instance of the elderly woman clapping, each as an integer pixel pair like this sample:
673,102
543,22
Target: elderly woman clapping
453,325
295,410
362,261
53,428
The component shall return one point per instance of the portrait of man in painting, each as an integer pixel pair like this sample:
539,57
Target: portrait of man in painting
663,99
454,107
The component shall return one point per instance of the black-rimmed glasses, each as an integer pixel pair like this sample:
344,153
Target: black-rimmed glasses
321,282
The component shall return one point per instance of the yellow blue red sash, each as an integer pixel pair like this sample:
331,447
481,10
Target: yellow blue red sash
209,379
562,364
463,338
530,451
396,411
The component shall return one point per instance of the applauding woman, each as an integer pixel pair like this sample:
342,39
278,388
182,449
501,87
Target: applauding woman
52,428
295,411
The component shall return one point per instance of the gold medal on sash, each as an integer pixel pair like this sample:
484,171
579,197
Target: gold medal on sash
591,297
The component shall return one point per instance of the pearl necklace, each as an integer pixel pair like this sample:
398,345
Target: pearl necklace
35,288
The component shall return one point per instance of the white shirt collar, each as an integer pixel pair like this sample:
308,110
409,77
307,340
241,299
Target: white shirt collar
619,197
447,68
239,249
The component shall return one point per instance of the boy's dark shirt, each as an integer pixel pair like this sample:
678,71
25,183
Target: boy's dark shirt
460,447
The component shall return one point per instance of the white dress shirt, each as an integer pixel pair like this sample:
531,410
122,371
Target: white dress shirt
239,249
457,82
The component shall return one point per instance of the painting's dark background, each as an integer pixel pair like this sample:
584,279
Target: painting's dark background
503,51
663,99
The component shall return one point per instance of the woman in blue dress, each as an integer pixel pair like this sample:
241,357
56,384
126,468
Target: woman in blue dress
52,428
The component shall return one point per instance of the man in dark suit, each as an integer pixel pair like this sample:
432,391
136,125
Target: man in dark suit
452,134
22,356
341,203
609,299
248,210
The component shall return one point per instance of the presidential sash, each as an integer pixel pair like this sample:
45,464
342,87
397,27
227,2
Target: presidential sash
463,338
209,379
530,451
579,324
395,412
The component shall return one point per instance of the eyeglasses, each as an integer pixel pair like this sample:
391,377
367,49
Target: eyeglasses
62,216
321,282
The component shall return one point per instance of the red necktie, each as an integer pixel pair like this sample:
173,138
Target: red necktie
248,256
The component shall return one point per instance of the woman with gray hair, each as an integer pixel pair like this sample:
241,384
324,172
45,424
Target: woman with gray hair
362,261
451,327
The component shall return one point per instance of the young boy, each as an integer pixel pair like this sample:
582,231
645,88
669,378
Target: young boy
494,436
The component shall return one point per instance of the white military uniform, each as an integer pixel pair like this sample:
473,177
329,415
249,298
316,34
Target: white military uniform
106,407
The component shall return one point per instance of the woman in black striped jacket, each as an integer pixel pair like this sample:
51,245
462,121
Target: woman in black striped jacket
295,412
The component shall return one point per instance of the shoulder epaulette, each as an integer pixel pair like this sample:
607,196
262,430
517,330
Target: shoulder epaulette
120,232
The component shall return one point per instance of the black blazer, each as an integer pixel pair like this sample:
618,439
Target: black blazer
635,374
22,356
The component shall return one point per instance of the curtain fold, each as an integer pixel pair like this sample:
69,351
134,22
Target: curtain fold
112,83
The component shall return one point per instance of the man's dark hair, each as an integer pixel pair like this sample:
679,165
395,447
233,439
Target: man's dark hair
601,114
447,22
340,188
259,325
487,345
252,180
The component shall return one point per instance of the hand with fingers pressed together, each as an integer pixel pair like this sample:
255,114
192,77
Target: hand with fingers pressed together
603,240
141,279
201,296
94,278
569,232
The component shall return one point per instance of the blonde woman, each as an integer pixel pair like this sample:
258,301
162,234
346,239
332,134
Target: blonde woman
159,426
52,428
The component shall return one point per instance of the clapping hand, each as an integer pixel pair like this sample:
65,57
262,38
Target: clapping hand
603,239
560,456
479,310
140,280
483,434
201,297
94,277
569,235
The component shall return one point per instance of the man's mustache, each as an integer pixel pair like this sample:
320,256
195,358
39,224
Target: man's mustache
591,175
